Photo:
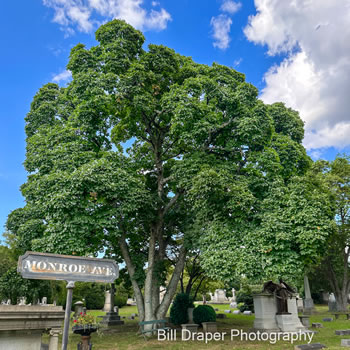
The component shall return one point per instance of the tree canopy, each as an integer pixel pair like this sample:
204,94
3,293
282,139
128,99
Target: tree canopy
146,154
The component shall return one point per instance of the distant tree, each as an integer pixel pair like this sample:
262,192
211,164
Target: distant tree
335,267
7,260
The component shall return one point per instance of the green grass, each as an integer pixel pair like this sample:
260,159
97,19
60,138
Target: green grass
126,338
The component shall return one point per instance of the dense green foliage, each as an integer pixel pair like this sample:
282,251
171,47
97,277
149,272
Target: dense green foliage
334,269
147,153
13,286
7,260
178,311
245,300
204,313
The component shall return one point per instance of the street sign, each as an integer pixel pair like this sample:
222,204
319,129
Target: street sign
34,265
68,268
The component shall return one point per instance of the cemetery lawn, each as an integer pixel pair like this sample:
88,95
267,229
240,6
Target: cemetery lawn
126,338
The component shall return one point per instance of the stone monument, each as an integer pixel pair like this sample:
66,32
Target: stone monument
219,297
276,309
233,302
332,303
112,317
22,301
308,302
21,326
78,308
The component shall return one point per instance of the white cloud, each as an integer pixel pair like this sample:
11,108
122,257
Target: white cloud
221,24
230,7
237,62
221,31
62,77
313,79
80,13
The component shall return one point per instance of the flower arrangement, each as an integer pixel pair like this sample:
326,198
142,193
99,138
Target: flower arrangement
84,319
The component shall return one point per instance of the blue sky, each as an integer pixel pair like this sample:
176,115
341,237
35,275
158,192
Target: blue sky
296,52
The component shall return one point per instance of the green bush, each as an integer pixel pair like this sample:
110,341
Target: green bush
94,297
245,300
204,313
178,312
120,300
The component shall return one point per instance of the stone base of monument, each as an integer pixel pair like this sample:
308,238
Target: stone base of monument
287,323
21,327
309,306
110,319
192,327
209,327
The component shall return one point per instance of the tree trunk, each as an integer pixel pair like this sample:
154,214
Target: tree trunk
131,270
171,289
342,301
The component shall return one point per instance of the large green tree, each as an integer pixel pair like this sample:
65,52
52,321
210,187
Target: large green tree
335,267
144,154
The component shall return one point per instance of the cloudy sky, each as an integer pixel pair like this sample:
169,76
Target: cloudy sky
295,51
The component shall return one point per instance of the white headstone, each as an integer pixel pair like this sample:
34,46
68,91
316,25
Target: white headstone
332,303
22,301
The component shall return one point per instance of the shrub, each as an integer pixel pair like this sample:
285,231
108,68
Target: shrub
120,300
204,313
245,300
178,312
94,297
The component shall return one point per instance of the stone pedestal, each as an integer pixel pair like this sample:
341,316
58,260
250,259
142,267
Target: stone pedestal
78,308
108,307
286,323
265,312
111,319
21,327
191,327
190,314
210,327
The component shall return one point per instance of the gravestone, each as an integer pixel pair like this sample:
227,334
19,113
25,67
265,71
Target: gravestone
308,302
220,316
44,301
219,297
343,332
345,343
332,303
227,311
233,302
268,319
314,346
22,301
327,319
78,308
317,325
247,313
236,312
111,318
108,306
